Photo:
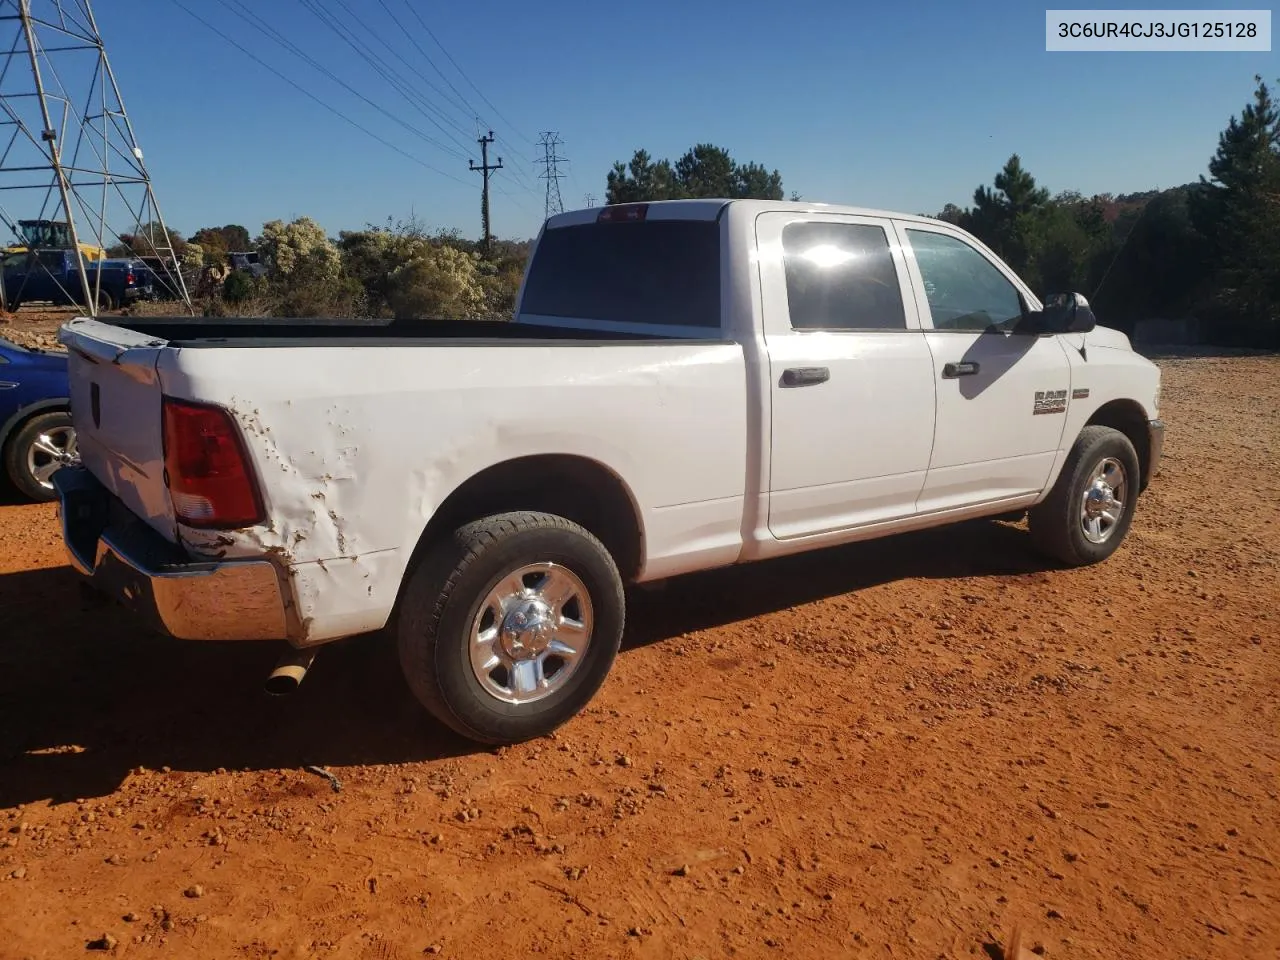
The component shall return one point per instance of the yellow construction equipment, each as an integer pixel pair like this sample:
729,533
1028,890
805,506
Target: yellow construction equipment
51,234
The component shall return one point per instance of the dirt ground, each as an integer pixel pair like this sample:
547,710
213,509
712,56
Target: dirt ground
38,326
895,749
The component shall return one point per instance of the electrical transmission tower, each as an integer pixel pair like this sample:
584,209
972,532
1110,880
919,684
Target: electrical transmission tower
485,168
71,170
550,172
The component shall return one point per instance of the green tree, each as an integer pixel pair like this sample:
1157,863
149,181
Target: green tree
409,273
1238,210
705,170
1006,218
217,242
148,241
299,246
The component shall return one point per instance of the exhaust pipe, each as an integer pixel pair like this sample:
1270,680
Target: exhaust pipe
289,671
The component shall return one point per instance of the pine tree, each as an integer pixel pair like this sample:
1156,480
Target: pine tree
1238,211
1004,218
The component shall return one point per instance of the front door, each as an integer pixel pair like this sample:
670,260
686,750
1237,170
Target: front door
852,395
1001,396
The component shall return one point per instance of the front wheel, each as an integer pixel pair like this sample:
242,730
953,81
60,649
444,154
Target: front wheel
1088,512
509,626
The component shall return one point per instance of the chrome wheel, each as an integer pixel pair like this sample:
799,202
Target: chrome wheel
51,450
1102,504
531,632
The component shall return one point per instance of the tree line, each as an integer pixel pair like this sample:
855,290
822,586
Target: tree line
1208,250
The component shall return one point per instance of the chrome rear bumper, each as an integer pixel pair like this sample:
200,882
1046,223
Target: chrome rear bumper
124,559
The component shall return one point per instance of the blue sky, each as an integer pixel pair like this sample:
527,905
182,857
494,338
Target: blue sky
904,106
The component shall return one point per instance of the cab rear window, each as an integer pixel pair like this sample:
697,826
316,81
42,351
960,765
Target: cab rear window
662,272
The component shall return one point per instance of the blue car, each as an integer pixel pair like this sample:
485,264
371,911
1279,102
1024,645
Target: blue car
36,435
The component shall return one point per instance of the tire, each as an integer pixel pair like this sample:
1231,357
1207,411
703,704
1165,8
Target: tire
1066,528
105,302
456,594
27,463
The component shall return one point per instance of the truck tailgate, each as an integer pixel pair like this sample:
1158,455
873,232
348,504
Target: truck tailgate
116,407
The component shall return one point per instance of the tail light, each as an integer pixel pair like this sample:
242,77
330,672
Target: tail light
130,278
207,467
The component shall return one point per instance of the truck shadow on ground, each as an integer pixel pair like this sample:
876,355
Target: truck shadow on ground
86,696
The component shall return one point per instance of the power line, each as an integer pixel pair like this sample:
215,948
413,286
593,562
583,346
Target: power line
271,33
423,106
307,93
463,108
462,73
461,101
549,142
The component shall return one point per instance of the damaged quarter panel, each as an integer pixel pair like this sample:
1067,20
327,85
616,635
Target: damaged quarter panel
356,447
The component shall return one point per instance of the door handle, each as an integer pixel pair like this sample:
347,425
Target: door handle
965,369
805,376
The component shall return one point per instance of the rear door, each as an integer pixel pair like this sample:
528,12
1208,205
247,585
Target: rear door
115,405
852,377
1001,395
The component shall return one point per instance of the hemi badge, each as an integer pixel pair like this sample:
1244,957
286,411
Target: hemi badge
1080,393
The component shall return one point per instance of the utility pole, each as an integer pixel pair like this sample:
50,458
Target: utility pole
484,169
550,172
591,200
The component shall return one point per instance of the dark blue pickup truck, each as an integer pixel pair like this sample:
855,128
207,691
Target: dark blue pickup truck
52,276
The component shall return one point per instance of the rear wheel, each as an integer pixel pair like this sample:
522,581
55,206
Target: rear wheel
1087,514
508,627
36,450
105,302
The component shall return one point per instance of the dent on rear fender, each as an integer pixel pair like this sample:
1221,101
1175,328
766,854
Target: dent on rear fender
307,515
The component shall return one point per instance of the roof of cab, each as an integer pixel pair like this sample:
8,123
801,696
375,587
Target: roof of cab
710,209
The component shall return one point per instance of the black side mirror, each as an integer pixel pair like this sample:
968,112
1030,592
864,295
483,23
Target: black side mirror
1062,313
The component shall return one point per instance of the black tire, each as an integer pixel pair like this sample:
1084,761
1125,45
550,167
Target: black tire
1057,525
16,466
445,594
105,302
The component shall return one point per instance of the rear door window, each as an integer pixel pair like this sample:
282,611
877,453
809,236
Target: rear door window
840,276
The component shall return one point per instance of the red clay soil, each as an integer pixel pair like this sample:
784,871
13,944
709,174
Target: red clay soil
896,749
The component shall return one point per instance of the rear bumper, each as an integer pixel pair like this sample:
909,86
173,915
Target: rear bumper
1155,440
124,559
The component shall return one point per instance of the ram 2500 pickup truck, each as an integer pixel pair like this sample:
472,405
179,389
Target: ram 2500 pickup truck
683,385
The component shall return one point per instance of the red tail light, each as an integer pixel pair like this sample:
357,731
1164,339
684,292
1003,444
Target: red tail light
623,213
130,278
207,467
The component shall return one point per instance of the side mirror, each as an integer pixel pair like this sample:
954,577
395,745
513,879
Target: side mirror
1062,313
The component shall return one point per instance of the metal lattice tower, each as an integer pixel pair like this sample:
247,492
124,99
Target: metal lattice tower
550,172
68,153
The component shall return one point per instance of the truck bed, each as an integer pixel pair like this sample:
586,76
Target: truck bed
196,332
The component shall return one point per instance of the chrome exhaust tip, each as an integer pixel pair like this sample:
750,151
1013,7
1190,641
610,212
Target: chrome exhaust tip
289,672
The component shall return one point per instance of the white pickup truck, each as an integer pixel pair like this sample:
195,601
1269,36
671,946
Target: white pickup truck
684,385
